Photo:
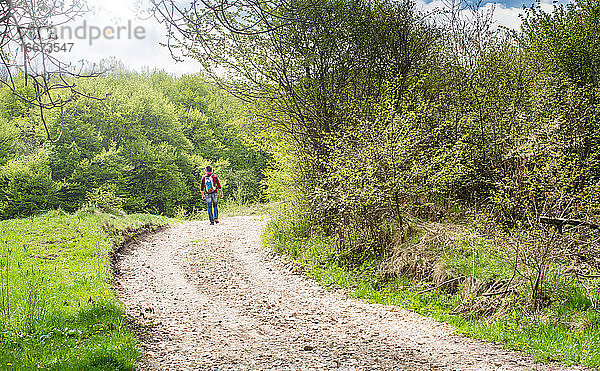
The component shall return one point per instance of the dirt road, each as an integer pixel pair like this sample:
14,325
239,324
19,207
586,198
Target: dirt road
212,298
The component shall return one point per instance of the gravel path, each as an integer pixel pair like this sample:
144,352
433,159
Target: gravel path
212,298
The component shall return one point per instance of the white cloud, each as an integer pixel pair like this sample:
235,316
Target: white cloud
137,53
505,16
509,16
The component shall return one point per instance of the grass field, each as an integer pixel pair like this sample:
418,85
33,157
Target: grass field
568,330
58,309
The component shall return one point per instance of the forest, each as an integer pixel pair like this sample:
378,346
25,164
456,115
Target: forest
432,160
142,147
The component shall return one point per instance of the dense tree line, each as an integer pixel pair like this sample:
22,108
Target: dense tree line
143,147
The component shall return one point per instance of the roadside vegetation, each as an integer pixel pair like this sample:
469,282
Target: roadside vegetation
432,154
414,156
451,273
58,306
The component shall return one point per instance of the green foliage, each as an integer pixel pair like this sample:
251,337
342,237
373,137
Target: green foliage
566,41
26,186
58,309
8,141
105,198
155,182
146,144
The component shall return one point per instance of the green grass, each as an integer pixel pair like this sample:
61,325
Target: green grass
58,309
567,331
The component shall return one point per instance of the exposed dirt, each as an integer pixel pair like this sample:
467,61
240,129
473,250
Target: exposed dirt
212,298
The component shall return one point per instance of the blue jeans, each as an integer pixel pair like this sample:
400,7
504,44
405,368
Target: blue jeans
211,204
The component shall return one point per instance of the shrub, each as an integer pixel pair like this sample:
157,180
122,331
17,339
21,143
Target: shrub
26,186
106,198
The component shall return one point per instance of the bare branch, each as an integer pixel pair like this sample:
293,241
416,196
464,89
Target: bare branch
26,59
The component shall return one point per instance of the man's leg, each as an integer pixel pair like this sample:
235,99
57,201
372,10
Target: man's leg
209,206
216,208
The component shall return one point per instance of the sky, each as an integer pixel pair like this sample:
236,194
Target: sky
137,51
134,40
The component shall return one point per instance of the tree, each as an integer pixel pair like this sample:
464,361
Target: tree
27,58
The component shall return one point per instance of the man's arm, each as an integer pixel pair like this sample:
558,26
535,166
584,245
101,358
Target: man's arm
219,187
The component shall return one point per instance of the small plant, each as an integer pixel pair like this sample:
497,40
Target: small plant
181,213
239,197
535,253
35,304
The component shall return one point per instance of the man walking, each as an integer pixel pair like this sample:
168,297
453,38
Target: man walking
209,186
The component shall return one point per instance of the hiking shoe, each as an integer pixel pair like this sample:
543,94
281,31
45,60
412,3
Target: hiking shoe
217,221
211,223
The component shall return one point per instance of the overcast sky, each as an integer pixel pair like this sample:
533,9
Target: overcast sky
144,50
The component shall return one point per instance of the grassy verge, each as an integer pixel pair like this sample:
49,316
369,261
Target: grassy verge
57,307
227,208
240,209
567,330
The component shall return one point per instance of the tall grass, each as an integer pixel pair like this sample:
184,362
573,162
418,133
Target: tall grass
58,309
567,330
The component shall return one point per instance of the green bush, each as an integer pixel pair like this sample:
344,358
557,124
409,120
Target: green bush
26,186
106,198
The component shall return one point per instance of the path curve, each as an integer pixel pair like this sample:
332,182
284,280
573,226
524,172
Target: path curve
213,298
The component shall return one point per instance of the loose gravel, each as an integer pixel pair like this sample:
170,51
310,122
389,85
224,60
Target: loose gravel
211,297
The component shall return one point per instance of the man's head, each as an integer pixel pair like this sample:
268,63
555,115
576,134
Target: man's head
209,169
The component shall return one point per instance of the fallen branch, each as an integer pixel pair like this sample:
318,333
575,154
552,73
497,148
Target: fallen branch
560,222
586,275
438,286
